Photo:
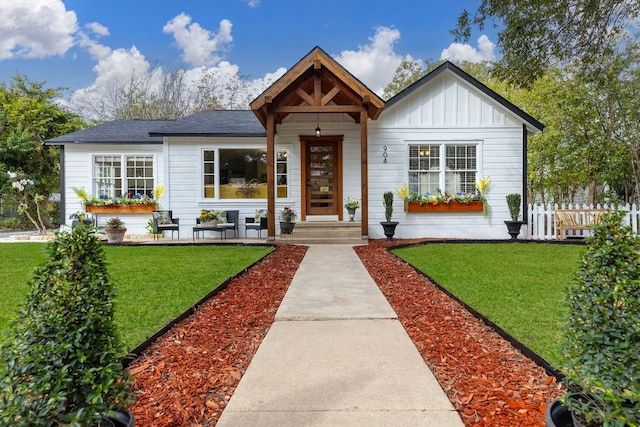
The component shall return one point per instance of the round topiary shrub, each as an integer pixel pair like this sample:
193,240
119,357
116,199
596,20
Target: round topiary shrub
602,331
61,365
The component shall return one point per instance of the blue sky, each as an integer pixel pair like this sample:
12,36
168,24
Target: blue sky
83,44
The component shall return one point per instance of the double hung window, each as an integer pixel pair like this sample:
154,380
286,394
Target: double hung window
442,167
123,176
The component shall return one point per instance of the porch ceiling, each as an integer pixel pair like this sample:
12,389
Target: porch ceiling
317,84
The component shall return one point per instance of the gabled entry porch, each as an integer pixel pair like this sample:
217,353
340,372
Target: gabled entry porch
318,85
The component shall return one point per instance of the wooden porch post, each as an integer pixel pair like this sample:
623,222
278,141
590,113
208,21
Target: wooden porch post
364,171
271,203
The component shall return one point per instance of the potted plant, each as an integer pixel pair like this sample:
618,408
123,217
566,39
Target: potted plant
287,220
602,331
388,225
151,229
61,363
128,203
351,205
514,201
115,230
80,218
209,218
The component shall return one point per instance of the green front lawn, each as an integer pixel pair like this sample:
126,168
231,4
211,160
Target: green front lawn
520,287
154,284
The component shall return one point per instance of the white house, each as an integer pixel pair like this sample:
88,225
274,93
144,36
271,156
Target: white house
314,138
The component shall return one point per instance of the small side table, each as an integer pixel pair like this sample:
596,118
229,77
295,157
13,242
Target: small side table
220,228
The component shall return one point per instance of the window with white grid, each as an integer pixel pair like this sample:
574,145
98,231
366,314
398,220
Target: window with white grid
460,176
424,168
111,179
435,168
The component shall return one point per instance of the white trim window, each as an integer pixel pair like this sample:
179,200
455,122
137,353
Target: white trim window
131,176
241,173
444,167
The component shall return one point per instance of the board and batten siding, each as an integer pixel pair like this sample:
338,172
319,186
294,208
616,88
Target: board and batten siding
446,110
79,173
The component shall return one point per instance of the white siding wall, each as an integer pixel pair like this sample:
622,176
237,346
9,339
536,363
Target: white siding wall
445,110
79,173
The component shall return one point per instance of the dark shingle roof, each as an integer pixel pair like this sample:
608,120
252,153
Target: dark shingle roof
114,132
227,123
237,123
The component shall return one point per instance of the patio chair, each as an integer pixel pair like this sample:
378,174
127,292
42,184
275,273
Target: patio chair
251,224
164,221
233,217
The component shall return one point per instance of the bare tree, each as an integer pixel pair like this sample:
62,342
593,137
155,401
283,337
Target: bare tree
157,94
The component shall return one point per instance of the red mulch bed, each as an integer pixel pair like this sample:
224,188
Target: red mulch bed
187,377
488,381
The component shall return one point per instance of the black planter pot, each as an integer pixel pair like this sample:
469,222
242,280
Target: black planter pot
287,227
121,418
389,229
558,415
352,214
513,228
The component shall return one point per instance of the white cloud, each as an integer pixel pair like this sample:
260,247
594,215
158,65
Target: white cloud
115,67
114,64
199,46
35,28
252,3
98,29
120,65
374,64
458,52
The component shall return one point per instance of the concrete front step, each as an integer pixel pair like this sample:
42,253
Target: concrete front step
333,232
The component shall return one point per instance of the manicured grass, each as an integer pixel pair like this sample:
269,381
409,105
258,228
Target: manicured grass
520,287
17,261
154,284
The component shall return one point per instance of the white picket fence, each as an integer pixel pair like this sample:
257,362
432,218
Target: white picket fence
541,225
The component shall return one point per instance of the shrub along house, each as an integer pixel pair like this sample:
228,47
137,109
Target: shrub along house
312,139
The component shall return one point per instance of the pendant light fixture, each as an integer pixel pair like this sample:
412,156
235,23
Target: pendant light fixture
318,130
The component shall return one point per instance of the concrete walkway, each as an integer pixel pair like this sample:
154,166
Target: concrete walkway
337,356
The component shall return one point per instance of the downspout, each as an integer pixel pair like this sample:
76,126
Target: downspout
525,204
63,198
167,172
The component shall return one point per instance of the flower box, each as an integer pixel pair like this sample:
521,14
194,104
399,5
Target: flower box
120,209
444,207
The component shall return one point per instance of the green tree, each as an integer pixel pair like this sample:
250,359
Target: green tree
29,114
536,35
408,72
